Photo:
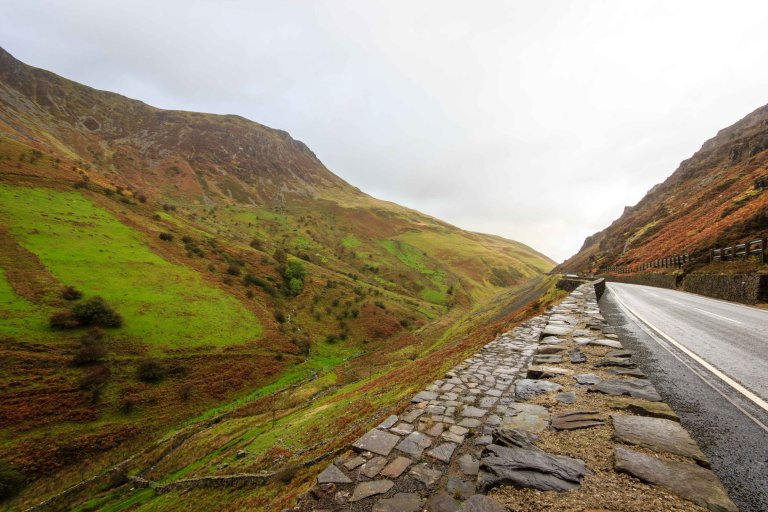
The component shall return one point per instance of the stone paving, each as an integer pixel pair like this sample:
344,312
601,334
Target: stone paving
472,430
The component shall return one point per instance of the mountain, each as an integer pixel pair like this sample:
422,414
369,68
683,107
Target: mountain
713,199
162,268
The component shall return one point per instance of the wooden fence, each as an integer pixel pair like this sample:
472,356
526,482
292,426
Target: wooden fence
739,251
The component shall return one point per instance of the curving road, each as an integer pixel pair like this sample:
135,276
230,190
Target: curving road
709,360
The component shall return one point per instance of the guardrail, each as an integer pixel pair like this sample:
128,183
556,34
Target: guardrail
739,251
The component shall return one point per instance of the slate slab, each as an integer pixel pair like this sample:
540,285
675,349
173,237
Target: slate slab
332,475
619,353
636,388
473,412
424,396
618,362
443,452
396,468
607,343
657,434
377,441
628,372
513,438
547,359
391,420
576,356
586,379
442,502
459,487
371,468
573,420
556,330
371,488
526,389
468,464
400,502
528,468
415,443
568,397
527,417
545,372
425,474
644,408
688,481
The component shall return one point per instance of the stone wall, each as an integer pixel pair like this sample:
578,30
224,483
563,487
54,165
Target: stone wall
744,288
657,280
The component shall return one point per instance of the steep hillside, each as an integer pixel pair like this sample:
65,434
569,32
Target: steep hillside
715,198
238,264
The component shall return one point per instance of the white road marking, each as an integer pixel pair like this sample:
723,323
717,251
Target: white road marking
718,316
717,373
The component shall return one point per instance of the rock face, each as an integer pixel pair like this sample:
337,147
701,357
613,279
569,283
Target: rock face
528,468
636,388
688,481
657,434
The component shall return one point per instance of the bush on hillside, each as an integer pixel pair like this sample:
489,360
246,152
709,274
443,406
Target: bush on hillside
234,269
92,348
95,311
94,380
166,237
150,371
63,320
11,481
71,293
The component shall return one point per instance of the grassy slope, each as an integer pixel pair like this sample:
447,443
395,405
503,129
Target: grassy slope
163,304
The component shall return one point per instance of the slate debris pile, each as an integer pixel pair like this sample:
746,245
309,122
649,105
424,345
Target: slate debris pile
475,429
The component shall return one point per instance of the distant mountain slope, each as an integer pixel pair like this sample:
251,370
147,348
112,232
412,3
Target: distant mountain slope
710,200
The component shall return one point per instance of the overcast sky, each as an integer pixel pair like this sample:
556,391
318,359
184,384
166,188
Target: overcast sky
535,120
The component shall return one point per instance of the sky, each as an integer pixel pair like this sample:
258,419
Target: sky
535,120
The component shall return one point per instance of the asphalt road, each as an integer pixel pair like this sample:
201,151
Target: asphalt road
709,361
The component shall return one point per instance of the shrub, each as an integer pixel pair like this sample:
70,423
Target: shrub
94,380
92,348
11,481
287,474
280,317
294,276
185,392
63,320
234,269
150,371
71,293
96,311
166,237
257,244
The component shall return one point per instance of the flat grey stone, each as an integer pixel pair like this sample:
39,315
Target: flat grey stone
617,362
373,466
443,452
473,412
442,502
552,340
619,353
468,464
400,502
528,417
586,379
636,388
688,481
574,420
568,397
629,372
395,468
454,438
657,434
412,415
607,343
549,349
528,388
460,488
402,428
576,356
436,429
353,463
480,503
514,438
425,474
545,372
391,420
371,488
332,475
556,330
528,468
547,359
424,396
377,441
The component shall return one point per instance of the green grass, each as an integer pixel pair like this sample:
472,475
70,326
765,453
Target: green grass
350,242
163,304
414,258
20,318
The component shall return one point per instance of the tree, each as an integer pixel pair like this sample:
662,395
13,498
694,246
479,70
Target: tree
95,311
294,274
